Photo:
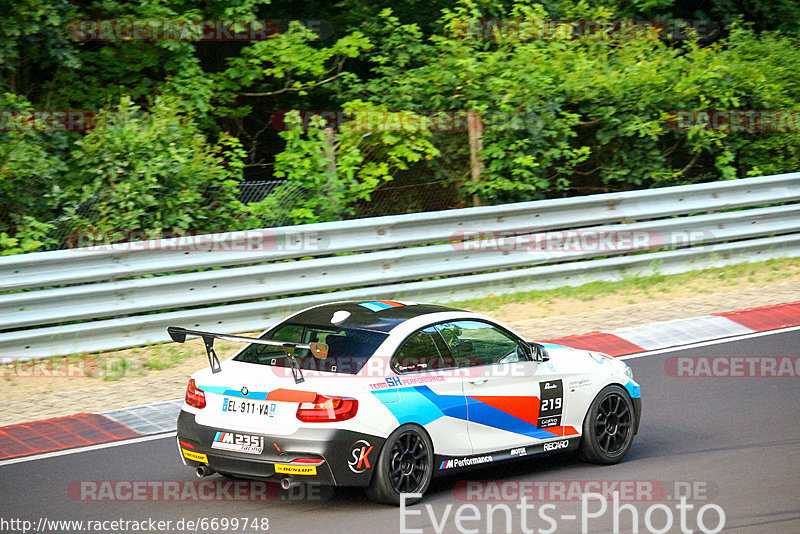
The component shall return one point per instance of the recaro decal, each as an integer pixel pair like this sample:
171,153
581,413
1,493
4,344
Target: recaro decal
556,445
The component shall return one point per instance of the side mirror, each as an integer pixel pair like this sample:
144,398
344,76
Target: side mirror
539,352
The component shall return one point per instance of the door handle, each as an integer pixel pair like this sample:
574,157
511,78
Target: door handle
477,381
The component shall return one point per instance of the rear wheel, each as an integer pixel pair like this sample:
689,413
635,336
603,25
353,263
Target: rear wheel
608,427
405,465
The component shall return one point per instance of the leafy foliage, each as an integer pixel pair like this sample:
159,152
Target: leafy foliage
585,114
149,174
335,171
30,236
561,114
30,165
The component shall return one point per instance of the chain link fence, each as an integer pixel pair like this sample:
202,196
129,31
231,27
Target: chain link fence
391,198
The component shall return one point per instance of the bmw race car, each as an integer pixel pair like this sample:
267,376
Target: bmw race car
386,395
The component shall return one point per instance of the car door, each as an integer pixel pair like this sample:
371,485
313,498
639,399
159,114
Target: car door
512,400
431,393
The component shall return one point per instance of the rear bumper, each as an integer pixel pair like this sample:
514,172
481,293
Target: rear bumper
345,458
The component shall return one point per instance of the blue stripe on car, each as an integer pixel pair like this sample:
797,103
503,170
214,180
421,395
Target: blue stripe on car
422,405
633,389
413,406
225,390
484,414
375,306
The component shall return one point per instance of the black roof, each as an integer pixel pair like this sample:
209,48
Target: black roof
380,316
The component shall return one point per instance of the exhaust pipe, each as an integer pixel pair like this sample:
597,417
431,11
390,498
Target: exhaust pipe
287,482
203,471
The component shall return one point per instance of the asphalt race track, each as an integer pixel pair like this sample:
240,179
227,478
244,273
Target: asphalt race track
724,442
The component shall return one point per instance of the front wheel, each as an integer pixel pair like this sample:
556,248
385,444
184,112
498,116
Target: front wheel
405,465
608,427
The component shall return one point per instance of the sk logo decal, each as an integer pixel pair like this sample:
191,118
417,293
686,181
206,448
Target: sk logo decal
360,454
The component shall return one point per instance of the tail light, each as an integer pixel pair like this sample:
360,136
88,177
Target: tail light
326,409
195,397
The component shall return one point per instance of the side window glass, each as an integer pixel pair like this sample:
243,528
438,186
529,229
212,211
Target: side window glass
477,343
418,353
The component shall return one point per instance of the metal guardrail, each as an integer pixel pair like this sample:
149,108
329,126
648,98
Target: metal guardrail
84,300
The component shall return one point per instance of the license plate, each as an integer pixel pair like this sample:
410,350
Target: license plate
243,407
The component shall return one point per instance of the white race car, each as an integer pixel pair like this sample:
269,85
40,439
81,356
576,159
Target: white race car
387,395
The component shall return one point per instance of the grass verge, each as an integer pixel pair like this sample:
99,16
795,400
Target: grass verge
657,286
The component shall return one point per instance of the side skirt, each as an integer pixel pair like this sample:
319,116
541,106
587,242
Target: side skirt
444,465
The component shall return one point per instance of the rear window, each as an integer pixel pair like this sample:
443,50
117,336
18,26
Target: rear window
348,349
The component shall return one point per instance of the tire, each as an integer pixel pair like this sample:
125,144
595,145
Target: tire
405,465
608,428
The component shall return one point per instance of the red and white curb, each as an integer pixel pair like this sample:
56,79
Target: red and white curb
87,429
138,422
60,433
679,332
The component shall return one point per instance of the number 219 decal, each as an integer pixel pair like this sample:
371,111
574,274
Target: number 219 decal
552,403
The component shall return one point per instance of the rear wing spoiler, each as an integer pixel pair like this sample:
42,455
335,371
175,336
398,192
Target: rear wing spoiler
318,350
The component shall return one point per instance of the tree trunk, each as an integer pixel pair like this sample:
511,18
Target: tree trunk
475,146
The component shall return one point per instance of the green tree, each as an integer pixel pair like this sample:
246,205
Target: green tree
150,173
31,166
334,171
575,112
286,68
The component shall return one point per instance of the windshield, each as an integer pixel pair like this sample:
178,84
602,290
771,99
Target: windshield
348,349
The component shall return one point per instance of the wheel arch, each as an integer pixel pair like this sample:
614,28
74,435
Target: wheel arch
590,449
